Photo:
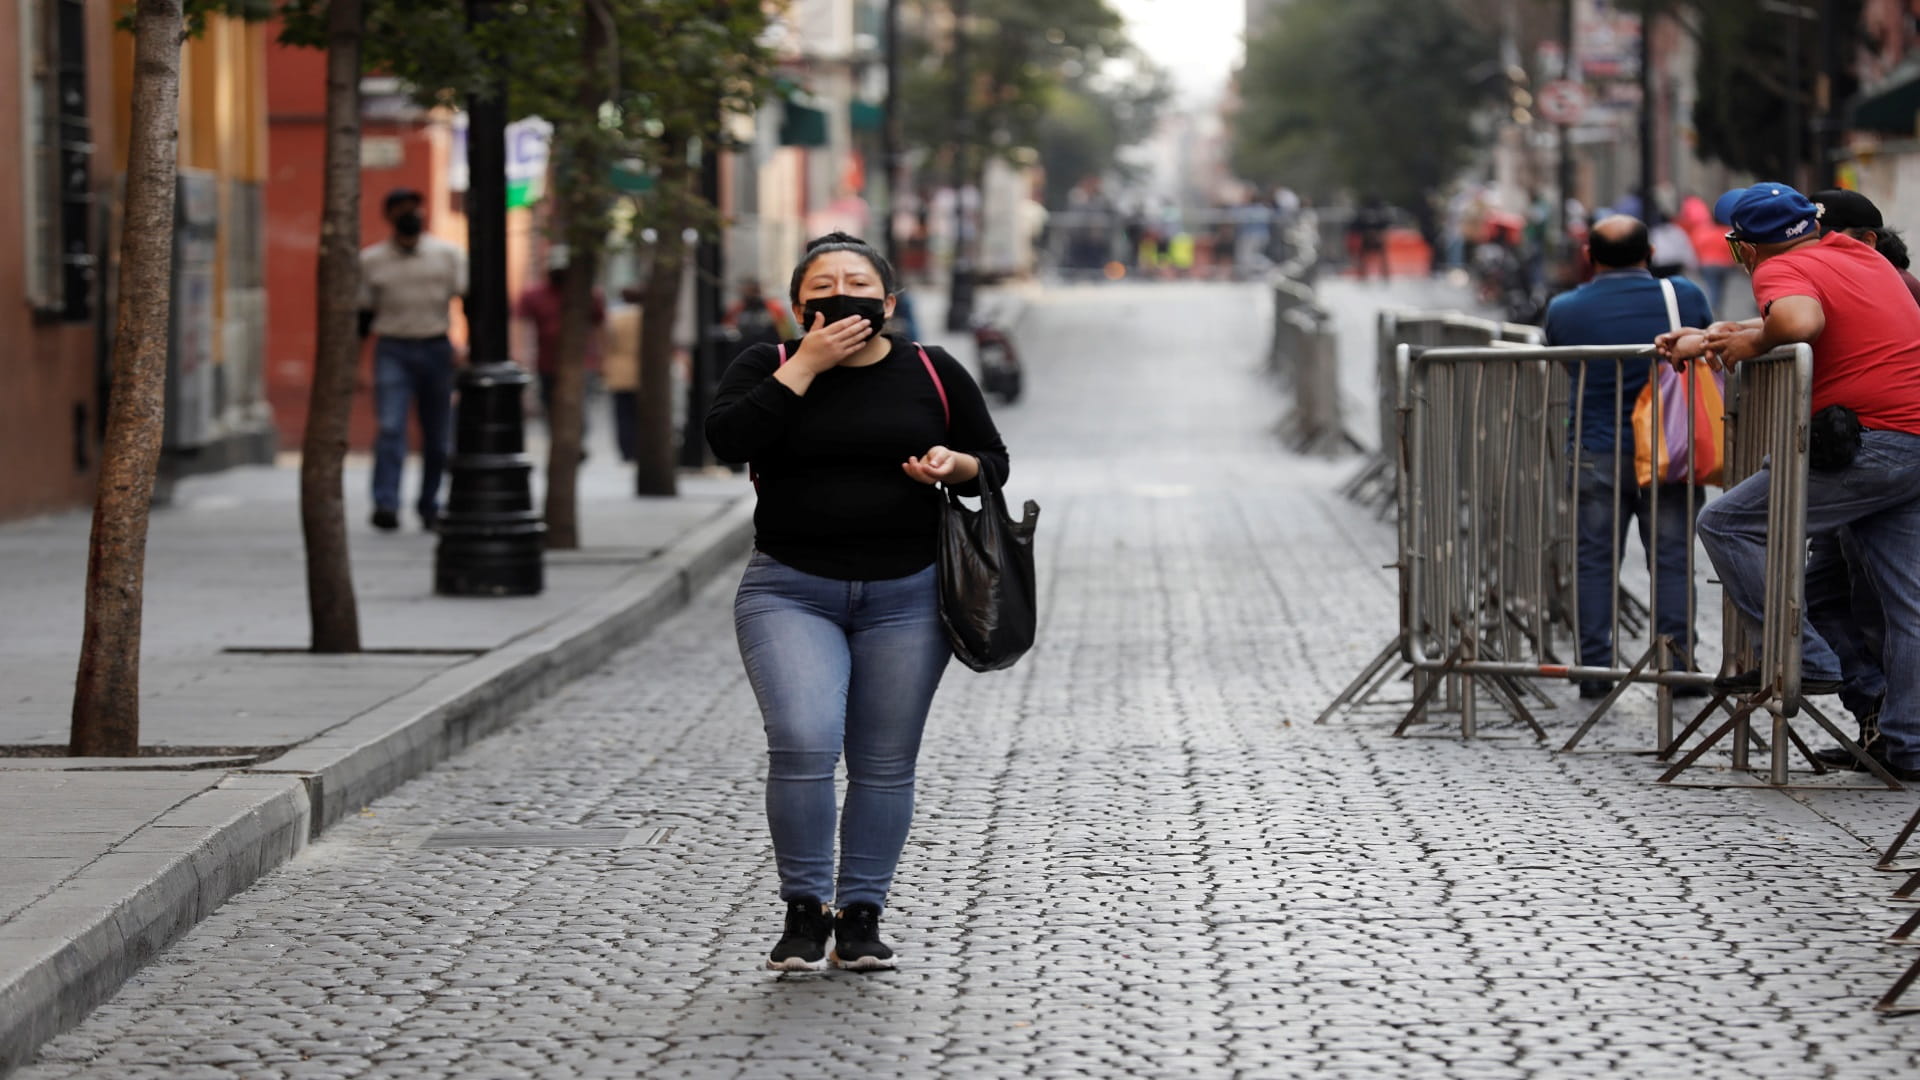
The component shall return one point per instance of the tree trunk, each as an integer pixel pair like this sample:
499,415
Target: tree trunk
106,696
331,608
578,189
566,420
655,454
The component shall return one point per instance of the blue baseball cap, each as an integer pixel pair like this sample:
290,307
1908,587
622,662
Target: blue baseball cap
1767,213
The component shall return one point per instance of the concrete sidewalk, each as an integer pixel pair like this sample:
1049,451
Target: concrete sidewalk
255,746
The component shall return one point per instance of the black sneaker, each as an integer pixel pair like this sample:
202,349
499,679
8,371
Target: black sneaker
386,520
430,520
1748,682
1590,690
803,947
1904,774
856,939
1839,758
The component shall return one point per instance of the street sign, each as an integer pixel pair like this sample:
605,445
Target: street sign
1563,102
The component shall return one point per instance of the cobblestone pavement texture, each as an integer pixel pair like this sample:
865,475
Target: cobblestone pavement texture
1134,853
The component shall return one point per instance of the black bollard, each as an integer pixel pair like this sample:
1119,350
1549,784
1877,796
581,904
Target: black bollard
492,540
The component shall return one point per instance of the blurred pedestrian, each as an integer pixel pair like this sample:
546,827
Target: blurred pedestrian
838,615
407,286
1710,252
620,369
1369,231
760,320
1849,303
1673,252
1624,304
542,306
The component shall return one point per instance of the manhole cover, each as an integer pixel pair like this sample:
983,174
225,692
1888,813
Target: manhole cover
546,838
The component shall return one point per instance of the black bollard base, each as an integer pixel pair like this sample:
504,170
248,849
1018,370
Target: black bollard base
492,540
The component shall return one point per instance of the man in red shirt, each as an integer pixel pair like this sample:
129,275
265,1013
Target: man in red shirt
1849,303
540,306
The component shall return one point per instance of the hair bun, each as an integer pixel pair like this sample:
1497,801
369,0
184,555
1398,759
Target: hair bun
835,237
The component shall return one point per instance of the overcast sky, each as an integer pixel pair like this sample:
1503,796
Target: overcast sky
1198,40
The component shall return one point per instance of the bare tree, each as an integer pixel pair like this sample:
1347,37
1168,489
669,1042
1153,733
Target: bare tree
106,696
331,607
583,196
654,453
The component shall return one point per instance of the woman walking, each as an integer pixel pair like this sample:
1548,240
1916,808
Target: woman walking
838,615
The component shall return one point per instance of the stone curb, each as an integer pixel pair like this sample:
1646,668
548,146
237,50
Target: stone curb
175,871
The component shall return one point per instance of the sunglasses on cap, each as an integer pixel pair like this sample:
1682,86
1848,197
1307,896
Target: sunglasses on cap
1734,240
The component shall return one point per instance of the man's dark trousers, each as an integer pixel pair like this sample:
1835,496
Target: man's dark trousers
418,372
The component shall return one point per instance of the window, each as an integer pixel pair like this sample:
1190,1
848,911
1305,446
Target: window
57,158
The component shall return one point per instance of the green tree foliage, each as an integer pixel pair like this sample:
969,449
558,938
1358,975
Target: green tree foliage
640,82
1746,80
1060,77
1369,96
1086,122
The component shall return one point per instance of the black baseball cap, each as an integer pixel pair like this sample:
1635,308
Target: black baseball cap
1842,209
399,195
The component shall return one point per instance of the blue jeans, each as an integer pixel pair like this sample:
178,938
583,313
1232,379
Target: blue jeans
1878,499
1606,509
411,372
1844,609
839,666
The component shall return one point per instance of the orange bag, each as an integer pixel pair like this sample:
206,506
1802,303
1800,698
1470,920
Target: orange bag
1667,453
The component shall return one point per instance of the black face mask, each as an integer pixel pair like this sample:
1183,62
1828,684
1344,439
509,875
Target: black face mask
839,306
409,223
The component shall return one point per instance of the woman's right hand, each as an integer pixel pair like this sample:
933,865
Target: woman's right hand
825,347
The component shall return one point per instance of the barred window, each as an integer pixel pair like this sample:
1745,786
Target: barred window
57,158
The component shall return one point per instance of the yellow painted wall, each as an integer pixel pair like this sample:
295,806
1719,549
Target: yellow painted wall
223,116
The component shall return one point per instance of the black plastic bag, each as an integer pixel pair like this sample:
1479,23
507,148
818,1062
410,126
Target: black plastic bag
987,588
1833,438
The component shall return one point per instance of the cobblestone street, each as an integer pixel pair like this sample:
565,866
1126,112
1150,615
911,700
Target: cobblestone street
1134,853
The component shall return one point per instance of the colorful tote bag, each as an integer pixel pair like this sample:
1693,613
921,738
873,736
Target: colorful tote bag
1667,452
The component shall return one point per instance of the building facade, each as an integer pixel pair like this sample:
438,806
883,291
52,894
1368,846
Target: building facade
64,118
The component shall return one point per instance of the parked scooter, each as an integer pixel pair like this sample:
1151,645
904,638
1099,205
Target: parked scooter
999,363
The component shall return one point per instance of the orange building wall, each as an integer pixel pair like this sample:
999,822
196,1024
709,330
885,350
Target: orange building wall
47,368
296,106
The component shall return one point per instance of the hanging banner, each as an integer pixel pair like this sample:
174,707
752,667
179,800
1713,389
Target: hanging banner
529,142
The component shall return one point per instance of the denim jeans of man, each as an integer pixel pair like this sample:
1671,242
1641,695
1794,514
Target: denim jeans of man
1606,509
839,666
1878,499
1845,610
409,374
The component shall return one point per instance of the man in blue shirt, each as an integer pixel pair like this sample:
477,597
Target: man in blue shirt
1623,305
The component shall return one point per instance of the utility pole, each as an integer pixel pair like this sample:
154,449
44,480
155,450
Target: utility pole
1649,206
1796,112
1569,71
890,136
960,295
1828,144
492,540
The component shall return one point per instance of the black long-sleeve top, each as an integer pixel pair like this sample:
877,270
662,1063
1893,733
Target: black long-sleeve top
834,501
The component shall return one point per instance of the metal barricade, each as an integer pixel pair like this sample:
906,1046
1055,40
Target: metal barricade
1315,425
1305,353
1489,555
1377,482
1288,295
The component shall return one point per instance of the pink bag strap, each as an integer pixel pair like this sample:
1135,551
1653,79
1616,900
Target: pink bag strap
946,407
